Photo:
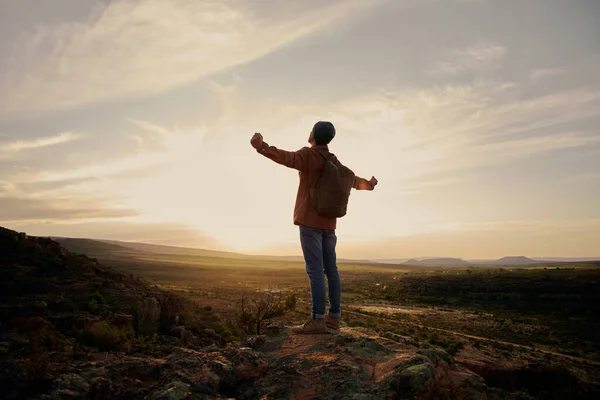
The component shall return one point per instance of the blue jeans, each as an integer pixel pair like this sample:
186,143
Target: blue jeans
318,246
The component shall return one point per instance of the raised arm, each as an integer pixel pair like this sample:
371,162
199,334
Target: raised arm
290,159
363,184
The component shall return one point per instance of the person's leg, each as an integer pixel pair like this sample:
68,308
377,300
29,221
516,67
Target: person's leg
312,248
331,271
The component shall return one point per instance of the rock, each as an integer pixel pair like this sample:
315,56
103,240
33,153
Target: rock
211,348
414,379
135,368
256,341
249,364
189,366
73,382
202,389
173,391
123,321
39,305
149,309
94,373
178,332
100,388
210,332
400,339
436,355
273,330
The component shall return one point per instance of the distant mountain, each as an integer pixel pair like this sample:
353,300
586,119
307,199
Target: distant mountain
515,260
434,262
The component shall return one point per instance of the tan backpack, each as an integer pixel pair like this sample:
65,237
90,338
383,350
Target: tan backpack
331,193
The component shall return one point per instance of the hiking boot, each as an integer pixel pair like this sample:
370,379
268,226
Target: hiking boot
332,322
314,326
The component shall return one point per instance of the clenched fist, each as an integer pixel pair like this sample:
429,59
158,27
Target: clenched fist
373,182
257,141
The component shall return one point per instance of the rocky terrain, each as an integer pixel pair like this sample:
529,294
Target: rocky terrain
72,328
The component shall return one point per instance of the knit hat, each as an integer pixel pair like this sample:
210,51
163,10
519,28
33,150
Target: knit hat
323,132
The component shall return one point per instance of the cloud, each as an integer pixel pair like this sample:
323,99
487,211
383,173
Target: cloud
14,209
481,56
434,136
134,48
543,73
9,148
468,126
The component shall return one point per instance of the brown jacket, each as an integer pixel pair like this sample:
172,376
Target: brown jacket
309,163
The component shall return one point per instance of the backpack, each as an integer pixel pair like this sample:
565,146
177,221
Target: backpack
331,192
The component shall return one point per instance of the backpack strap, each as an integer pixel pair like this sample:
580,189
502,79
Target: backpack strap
326,156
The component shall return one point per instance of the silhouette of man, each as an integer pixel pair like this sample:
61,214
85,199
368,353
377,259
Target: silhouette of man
317,233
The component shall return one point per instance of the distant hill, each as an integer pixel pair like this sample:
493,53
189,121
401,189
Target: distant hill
95,248
101,248
433,262
515,260
176,250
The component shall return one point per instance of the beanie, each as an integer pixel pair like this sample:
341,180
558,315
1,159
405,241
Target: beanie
323,132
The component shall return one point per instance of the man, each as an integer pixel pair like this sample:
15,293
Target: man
317,232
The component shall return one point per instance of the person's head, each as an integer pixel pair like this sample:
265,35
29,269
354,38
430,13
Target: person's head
322,133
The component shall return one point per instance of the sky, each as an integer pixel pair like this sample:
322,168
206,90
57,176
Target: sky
131,120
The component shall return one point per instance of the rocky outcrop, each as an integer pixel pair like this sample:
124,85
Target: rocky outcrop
70,325
354,364
72,328
360,364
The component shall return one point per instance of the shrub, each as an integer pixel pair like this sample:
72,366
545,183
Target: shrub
106,336
97,297
92,306
453,347
267,306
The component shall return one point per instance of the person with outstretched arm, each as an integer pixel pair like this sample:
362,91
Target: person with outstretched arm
322,197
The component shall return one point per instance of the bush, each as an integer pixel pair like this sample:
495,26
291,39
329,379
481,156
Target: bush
92,306
453,347
106,336
256,312
97,297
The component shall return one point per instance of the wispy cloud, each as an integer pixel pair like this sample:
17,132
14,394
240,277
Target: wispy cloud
8,148
481,56
14,209
434,136
142,47
543,73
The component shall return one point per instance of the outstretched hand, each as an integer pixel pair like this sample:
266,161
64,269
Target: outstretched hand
373,182
257,141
